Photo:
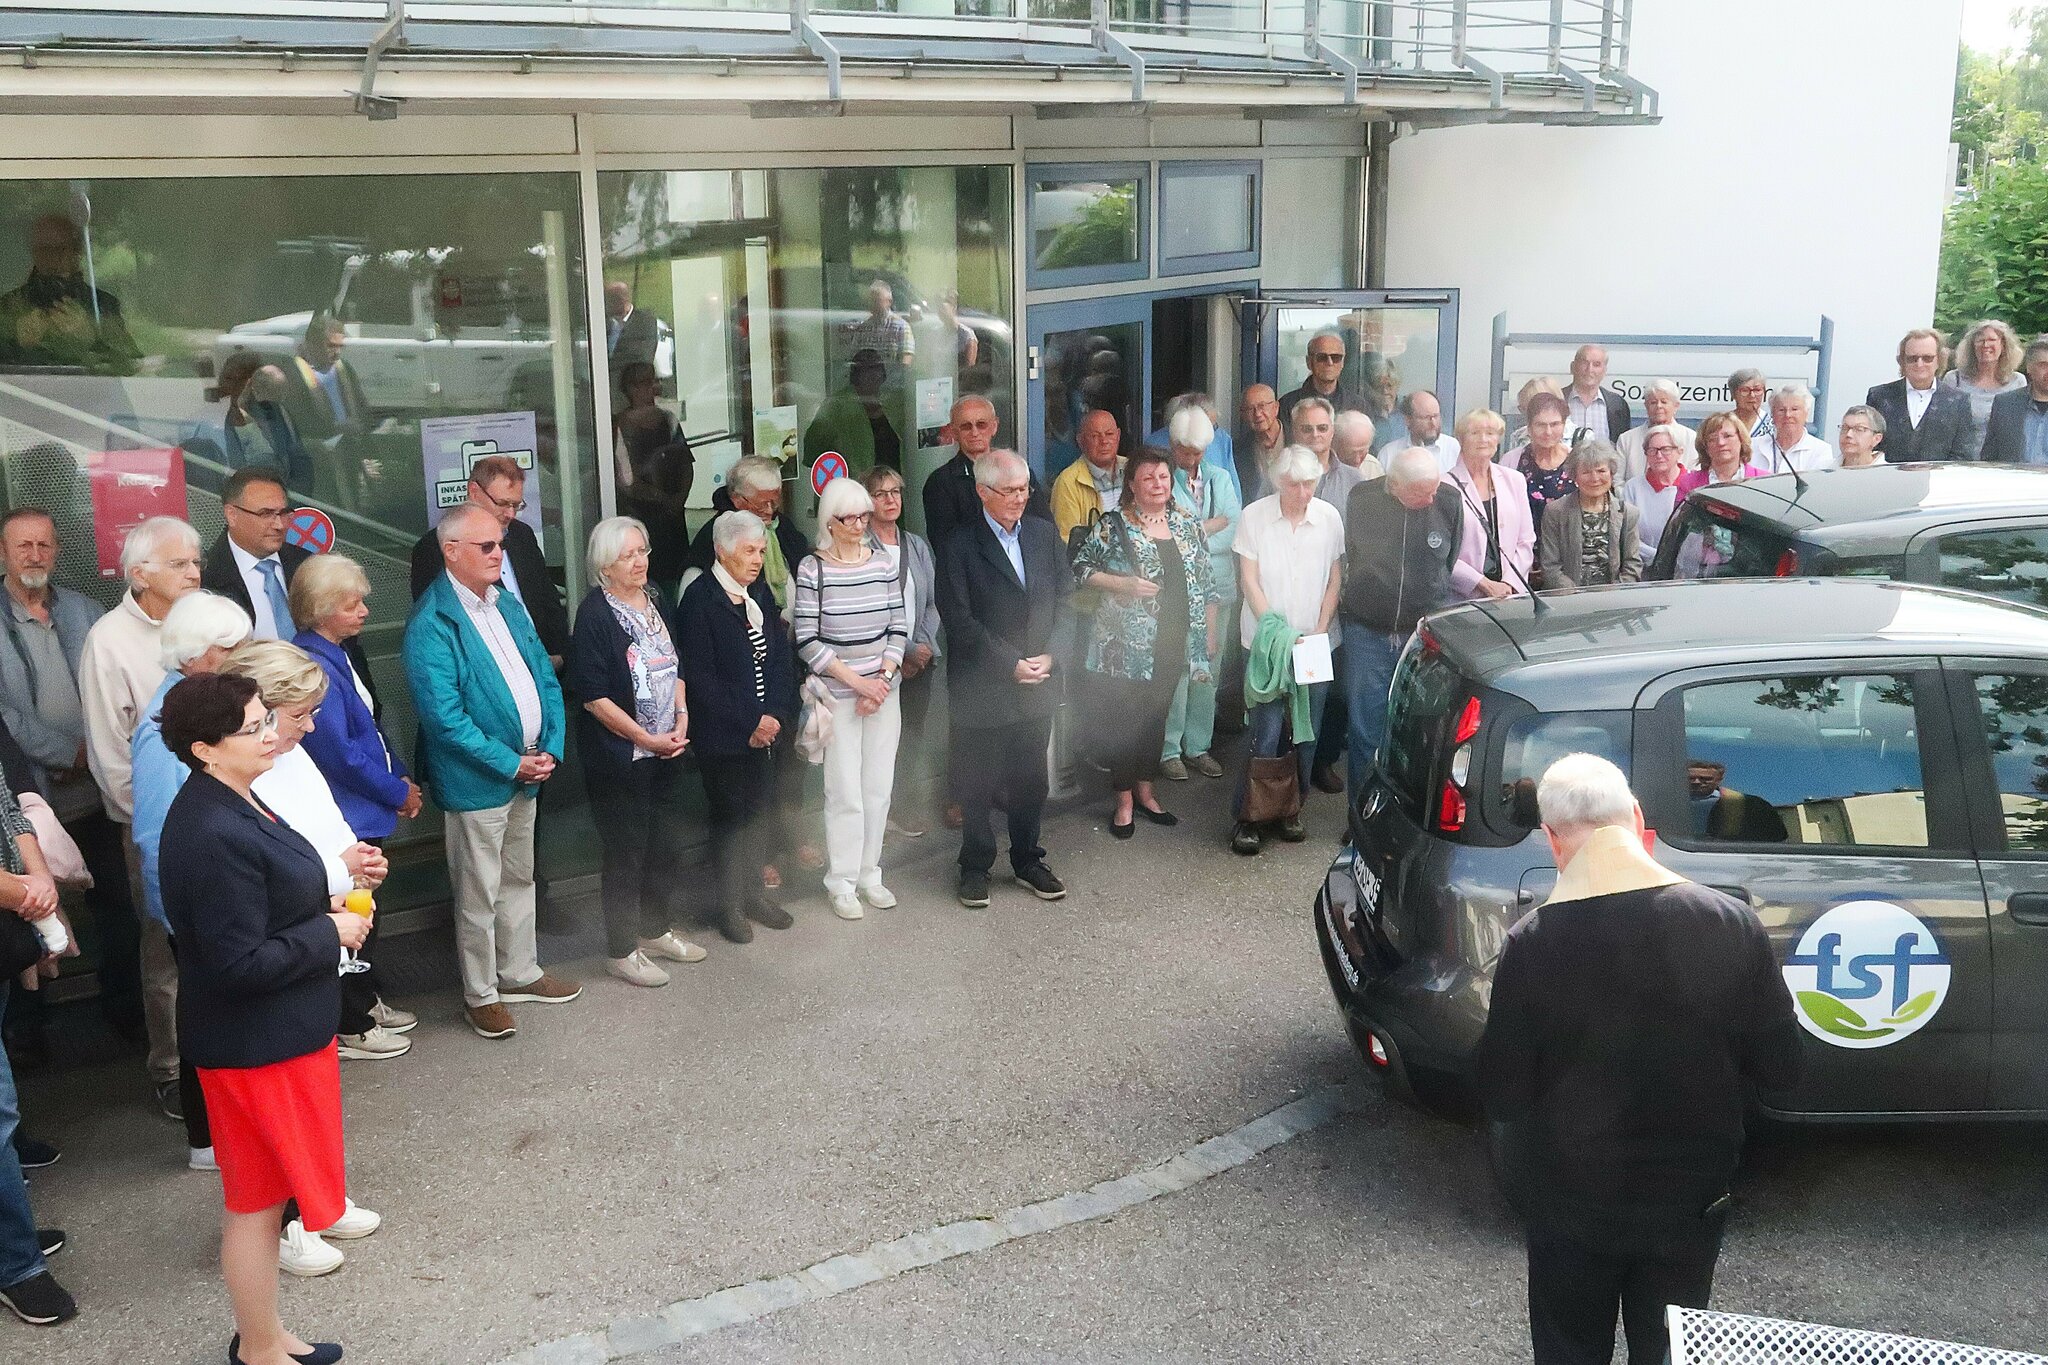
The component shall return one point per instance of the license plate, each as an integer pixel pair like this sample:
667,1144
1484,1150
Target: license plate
1367,884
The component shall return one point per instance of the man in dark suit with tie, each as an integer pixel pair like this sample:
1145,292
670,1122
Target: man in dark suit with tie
2018,430
250,564
1923,420
1002,575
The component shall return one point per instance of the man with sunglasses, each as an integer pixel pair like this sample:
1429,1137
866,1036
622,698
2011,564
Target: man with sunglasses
498,486
1325,380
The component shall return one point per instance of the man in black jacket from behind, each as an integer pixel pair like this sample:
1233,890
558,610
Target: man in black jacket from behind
498,486
1629,1017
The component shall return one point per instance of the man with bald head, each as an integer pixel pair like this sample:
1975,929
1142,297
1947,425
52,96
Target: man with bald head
950,500
1594,411
1090,486
1264,437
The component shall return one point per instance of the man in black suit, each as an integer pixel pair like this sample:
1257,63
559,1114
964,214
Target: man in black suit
1325,380
951,498
250,564
1002,576
1631,1016
2018,430
498,486
1923,420
1590,409
630,334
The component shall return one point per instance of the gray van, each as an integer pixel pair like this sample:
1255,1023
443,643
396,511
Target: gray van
1865,763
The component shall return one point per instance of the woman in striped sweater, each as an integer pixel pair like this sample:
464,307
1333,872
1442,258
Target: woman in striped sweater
851,629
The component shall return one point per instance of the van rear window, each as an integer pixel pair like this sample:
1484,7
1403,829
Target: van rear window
1534,742
1709,547
1426,687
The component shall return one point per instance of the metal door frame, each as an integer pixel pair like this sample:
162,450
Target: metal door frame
1261,360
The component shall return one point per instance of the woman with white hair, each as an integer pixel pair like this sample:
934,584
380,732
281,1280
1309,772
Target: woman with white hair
1209,495
851,629
741,682
1788,445
1591,537
1987,364
1499,542
1660,408
1747,390
1654,492
632,724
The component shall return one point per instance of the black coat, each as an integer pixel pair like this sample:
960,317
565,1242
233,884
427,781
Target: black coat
992,621
537,590
718,666
595,670
703,553
1944,430
2005,435
220,574
951,501
257,957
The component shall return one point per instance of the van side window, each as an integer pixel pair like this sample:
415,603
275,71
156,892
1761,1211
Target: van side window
2015,712
2012,564
1805,759
1534,742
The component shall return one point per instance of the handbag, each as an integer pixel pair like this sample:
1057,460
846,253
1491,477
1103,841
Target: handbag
1272,789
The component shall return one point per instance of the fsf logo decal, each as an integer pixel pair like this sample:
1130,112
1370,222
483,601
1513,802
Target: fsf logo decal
1866,974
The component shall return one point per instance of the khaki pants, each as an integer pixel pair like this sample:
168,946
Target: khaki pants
490,869
159,977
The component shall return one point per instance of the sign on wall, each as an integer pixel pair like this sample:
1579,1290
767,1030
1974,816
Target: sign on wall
451,446
128,488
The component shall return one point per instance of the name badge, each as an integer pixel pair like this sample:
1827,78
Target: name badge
1436,540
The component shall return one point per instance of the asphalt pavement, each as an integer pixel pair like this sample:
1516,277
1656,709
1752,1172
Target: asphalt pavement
932,1070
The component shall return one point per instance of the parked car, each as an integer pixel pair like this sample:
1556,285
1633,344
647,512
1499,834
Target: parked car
1864,763
1975,526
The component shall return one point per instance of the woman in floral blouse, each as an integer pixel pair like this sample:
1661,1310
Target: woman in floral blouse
1156,625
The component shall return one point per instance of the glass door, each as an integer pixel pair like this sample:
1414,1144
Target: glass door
1395,341
1085,355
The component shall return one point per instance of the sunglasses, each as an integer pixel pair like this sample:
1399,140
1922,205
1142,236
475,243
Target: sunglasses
483,546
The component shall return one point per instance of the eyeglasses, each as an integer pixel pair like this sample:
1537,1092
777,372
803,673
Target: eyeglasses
260,513
640,553
266,726
853,518
483,546
1021,490
1864,427
881,493
179,565
517,505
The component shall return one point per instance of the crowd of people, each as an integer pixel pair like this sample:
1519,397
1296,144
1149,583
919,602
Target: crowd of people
210,753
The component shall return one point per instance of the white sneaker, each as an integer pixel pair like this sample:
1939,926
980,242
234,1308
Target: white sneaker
636,970
302,1253
392,1018
200,1159
846,905
673,948
377,1045
879,896
355,1221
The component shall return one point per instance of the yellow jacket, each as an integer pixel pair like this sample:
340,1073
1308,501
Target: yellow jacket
1074,499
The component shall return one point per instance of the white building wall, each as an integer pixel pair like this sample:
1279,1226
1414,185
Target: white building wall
1799,170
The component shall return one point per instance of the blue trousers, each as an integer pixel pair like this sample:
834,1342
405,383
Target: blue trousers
20,1256
1369,658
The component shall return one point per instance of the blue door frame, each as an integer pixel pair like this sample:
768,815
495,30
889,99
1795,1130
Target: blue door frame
1081,315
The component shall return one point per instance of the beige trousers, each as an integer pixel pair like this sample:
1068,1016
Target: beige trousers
490,869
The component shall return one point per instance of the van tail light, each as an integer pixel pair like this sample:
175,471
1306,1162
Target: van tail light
1468,722
1450,813
1788,565
1719,510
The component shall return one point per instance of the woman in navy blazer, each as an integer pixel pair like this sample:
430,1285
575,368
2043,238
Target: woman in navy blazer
258,991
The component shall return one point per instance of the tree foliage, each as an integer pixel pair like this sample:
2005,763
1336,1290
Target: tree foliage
1994,250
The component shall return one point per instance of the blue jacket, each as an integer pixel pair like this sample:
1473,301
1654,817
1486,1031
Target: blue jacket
597,671
361,769
73,615
469,736
156,774
718,665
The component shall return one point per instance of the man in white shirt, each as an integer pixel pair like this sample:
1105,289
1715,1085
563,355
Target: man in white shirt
1660,409
1788,445
1425,417
1591,410
250,564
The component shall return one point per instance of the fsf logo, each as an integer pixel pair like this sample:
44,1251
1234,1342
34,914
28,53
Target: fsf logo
1866,974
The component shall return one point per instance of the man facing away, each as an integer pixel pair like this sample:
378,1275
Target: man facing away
1630,1016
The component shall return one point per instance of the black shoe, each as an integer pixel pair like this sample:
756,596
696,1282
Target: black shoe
768,914
1290,829
35,1154
170,1101
1043,884
1246,839
39,1300
1327,779
323,1352
50,1241
734,926
1158,817
1125,830
973,889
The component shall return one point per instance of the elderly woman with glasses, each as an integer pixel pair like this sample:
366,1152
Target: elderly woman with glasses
1654,492
632,723
1591,537
1862,428
1987,364
1660,408
916,568
852,628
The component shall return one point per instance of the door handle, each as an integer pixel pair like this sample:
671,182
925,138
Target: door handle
2029,907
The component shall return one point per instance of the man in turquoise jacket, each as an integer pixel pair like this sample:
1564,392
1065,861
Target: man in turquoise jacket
490,732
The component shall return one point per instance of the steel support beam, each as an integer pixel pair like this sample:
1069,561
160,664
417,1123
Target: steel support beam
371,105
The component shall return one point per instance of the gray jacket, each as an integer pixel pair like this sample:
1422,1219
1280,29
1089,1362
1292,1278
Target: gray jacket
73,615
1562,551
924,572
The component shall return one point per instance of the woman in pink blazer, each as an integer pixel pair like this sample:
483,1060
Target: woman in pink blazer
1495,557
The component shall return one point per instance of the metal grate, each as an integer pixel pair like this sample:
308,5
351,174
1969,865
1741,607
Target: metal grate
1704,1338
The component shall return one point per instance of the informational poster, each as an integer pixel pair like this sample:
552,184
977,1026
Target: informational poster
934,409
775,435
451,446
128,488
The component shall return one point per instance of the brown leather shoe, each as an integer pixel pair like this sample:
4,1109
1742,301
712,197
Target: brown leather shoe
543,990
954,816
491,1021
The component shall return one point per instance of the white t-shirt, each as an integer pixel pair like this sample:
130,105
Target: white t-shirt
1293,561
1655,506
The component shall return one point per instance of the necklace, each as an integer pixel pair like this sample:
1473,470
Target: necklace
831,552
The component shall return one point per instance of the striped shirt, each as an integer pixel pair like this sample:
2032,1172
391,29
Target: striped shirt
853,614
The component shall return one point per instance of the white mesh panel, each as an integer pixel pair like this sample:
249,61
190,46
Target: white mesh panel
1703,1338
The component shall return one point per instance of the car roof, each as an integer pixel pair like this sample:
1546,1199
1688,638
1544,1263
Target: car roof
1616,637
1900,497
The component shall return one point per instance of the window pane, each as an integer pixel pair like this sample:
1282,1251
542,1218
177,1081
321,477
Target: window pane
1207,213
1082,223
1537,741
2015,711
2009,564
1388,352
1087,369
1418,709
1806,760
1709,547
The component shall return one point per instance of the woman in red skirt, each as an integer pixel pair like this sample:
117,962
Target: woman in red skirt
259,944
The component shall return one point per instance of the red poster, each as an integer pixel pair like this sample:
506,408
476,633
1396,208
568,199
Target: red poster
128,488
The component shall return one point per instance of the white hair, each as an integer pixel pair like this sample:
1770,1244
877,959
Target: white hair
1312,401
152,538
734,529
455,518
1350,422
753,474
841,498
196,623
1584,791
1295,464
1662,388
608,542
1594,451
1190,428
1795,393
1672,432
1415,465
993,467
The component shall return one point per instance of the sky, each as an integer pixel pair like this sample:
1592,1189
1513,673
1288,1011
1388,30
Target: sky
1987,24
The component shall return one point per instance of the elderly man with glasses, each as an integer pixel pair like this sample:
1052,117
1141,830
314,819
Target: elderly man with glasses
1326,356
